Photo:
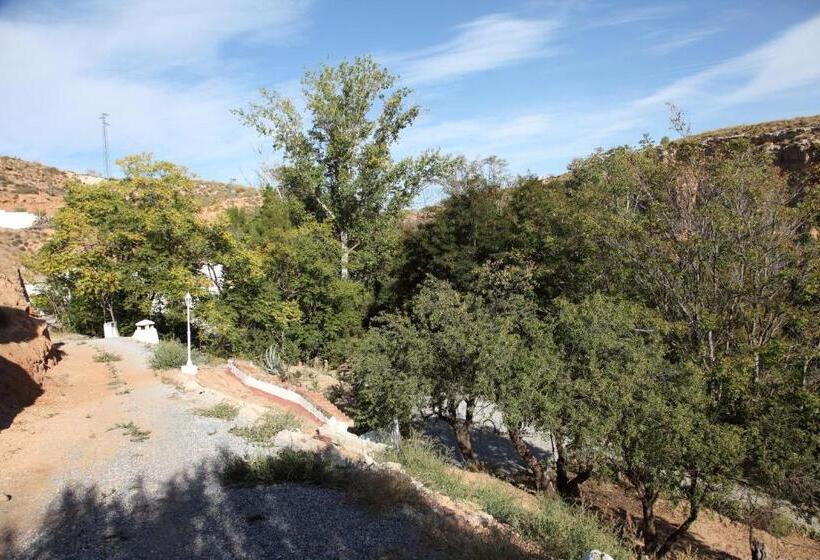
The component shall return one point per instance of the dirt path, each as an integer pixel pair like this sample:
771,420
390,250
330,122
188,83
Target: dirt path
80,487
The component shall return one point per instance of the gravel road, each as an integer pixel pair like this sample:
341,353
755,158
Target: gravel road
161,498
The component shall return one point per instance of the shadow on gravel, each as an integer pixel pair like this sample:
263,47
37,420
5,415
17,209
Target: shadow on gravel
194,516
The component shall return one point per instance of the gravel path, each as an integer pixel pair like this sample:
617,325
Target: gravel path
161,498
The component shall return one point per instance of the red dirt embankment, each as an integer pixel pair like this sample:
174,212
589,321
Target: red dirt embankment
25,350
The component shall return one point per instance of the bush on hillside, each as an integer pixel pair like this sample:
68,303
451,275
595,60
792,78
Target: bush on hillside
169,354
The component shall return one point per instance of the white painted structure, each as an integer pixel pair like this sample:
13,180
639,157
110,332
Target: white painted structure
110,330
146,332
16,220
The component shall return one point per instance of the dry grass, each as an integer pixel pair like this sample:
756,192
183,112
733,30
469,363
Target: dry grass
266,428
106,357
560,530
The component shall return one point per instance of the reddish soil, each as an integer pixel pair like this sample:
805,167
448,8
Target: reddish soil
222,381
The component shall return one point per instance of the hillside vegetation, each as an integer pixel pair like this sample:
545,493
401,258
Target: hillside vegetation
649,317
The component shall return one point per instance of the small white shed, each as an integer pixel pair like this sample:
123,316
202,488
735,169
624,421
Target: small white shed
146,332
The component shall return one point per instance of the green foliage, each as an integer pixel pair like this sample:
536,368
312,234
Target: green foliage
438,355
561,530
170,354
280,285
118,246
340,166
223,410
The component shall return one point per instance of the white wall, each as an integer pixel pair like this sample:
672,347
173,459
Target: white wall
17,220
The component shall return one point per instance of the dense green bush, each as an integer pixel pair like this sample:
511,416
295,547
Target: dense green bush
169,354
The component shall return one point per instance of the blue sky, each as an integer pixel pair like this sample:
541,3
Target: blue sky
535,82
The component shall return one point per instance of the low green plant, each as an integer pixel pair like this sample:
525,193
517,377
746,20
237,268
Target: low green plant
170,354
132,430
272,361
289,465
266,428
106,357
223,411
561,530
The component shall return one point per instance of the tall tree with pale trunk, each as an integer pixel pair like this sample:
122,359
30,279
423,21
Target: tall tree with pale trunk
340,164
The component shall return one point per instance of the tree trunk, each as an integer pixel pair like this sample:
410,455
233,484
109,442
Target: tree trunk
461,429
345,253
679,532
535,466
758,550
648,530
569,488
694,509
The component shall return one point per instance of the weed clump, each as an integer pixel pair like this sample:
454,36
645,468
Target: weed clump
134,432
223,411
266,428
106,357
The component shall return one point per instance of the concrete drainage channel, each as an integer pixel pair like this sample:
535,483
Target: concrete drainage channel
336,425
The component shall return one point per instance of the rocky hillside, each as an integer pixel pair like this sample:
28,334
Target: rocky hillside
795,143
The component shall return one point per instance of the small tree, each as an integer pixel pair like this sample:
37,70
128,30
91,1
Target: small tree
443,350
341,166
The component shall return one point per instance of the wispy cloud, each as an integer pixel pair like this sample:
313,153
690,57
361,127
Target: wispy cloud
633,15
158,68
542,137
483,44
676,42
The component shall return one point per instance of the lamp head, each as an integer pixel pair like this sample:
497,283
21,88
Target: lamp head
188,299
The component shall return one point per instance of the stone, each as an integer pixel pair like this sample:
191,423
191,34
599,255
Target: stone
597,555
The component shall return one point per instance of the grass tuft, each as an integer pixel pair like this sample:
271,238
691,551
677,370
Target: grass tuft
223,411
106,357
266,428
132,430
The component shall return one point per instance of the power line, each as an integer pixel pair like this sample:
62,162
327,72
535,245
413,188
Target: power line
103,118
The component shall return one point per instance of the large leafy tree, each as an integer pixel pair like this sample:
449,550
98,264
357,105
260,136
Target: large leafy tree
280,285
340,164
130,247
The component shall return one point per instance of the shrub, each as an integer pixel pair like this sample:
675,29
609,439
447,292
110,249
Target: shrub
266,428
169,354
289,465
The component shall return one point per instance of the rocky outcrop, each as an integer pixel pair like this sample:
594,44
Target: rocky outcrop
794,143
25,351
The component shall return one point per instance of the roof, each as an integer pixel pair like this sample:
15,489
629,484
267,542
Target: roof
145,323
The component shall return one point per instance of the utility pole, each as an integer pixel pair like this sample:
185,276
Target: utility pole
103,118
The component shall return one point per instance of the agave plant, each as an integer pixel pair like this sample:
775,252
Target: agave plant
272,361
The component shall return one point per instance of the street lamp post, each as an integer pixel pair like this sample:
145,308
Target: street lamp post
189,367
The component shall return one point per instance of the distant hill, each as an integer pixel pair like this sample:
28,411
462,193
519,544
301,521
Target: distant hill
27,186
